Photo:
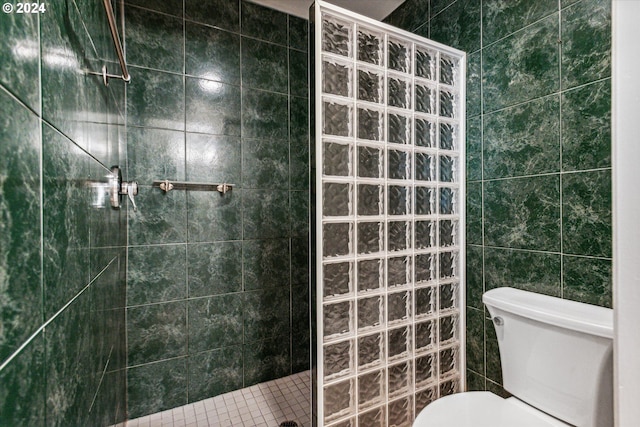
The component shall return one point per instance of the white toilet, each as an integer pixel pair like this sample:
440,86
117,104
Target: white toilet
556,361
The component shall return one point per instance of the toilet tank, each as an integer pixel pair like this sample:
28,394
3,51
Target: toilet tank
556,354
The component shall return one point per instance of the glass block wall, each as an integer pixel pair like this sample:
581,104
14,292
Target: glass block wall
389,198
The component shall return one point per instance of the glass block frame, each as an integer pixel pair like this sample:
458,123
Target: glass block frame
389,133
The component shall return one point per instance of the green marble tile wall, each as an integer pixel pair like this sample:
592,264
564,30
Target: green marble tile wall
538,151
217,286
62,251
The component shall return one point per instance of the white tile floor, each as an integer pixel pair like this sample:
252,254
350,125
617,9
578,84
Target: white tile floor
262,405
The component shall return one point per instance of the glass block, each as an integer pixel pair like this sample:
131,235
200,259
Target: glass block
448,297
370,275
449,362
370,313
399,381
371,390
448,201
371,350
448,136
449,265
337,159
399,343
398,236
425,63
398,271
370,200
425,167
424,397
448,329
448,70
399,163
426,335
339,400
351,422
425,268
370,124
399,55
370,162
425,133
339,359
370,85
337,119
451,386
448,104
401,412
370,237
425,234
425,301
337,78
448,169
425,100
370,46
337,239
399,307
425,200
426,370
337,199
336,36
448,233
399,200
338,319
337,279
373,418
399,128
398,92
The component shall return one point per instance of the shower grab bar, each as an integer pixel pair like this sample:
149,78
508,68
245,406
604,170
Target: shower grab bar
118,46
167,186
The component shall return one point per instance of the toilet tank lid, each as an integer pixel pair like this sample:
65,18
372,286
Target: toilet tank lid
572,315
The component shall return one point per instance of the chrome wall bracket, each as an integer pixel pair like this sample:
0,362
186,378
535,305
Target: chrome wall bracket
119,188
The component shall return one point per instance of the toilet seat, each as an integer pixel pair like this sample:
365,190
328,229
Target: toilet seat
483,409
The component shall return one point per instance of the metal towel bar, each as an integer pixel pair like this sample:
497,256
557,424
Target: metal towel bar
167,186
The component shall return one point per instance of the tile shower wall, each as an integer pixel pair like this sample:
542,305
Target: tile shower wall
217,291
62,251
538,151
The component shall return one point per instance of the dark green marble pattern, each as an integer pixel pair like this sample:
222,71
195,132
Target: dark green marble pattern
298,33
299,206
586,213
214,268
265,163
587,280
213,158
171,7
475,340
501,18
299,144
266,314
212,54
475,382
264,115
265,263
586,42
215,372
409,15
165,381
156,332
264,66
474,213
530,271
473,154
300,327
437,6
163,219
156,274
155,154
154,40
300,260
298,78
523,213
266,360
212,107
458,25
215,217
215,322
263,216
515,145
522,66
474,87
223,14
475,285
493,367
263,23
497,389
586,127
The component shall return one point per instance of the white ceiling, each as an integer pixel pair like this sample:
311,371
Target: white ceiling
376,9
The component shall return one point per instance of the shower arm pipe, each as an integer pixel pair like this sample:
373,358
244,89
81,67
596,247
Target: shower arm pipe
116,43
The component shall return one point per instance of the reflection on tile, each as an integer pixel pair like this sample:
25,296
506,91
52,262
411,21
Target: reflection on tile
214,268
264,66
214,217
212,54
587,280
214,159
215,322
156,274
212,107
155,154
166,381
215,372
265,263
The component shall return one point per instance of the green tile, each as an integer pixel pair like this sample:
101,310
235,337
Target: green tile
215,322
156,387
300,268
223,14
522,66
160,218
263,216
267,314
215,372
263,23
586,213
265,263
171,7
586,42
214,159
299,206
156,274
474,213
475,381
497,389
298,33
155,154
587,280
299,144
523,213
215,217
437,6
458,26
214,268
264,114
530,271
154,40
265,163
212,107
298,73
473,153
266,360
475,340
212,54
516,145
493,368
586,127
264,66
474,84
409,15
475,282
500,18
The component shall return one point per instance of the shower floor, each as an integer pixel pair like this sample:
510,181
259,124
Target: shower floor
262,405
